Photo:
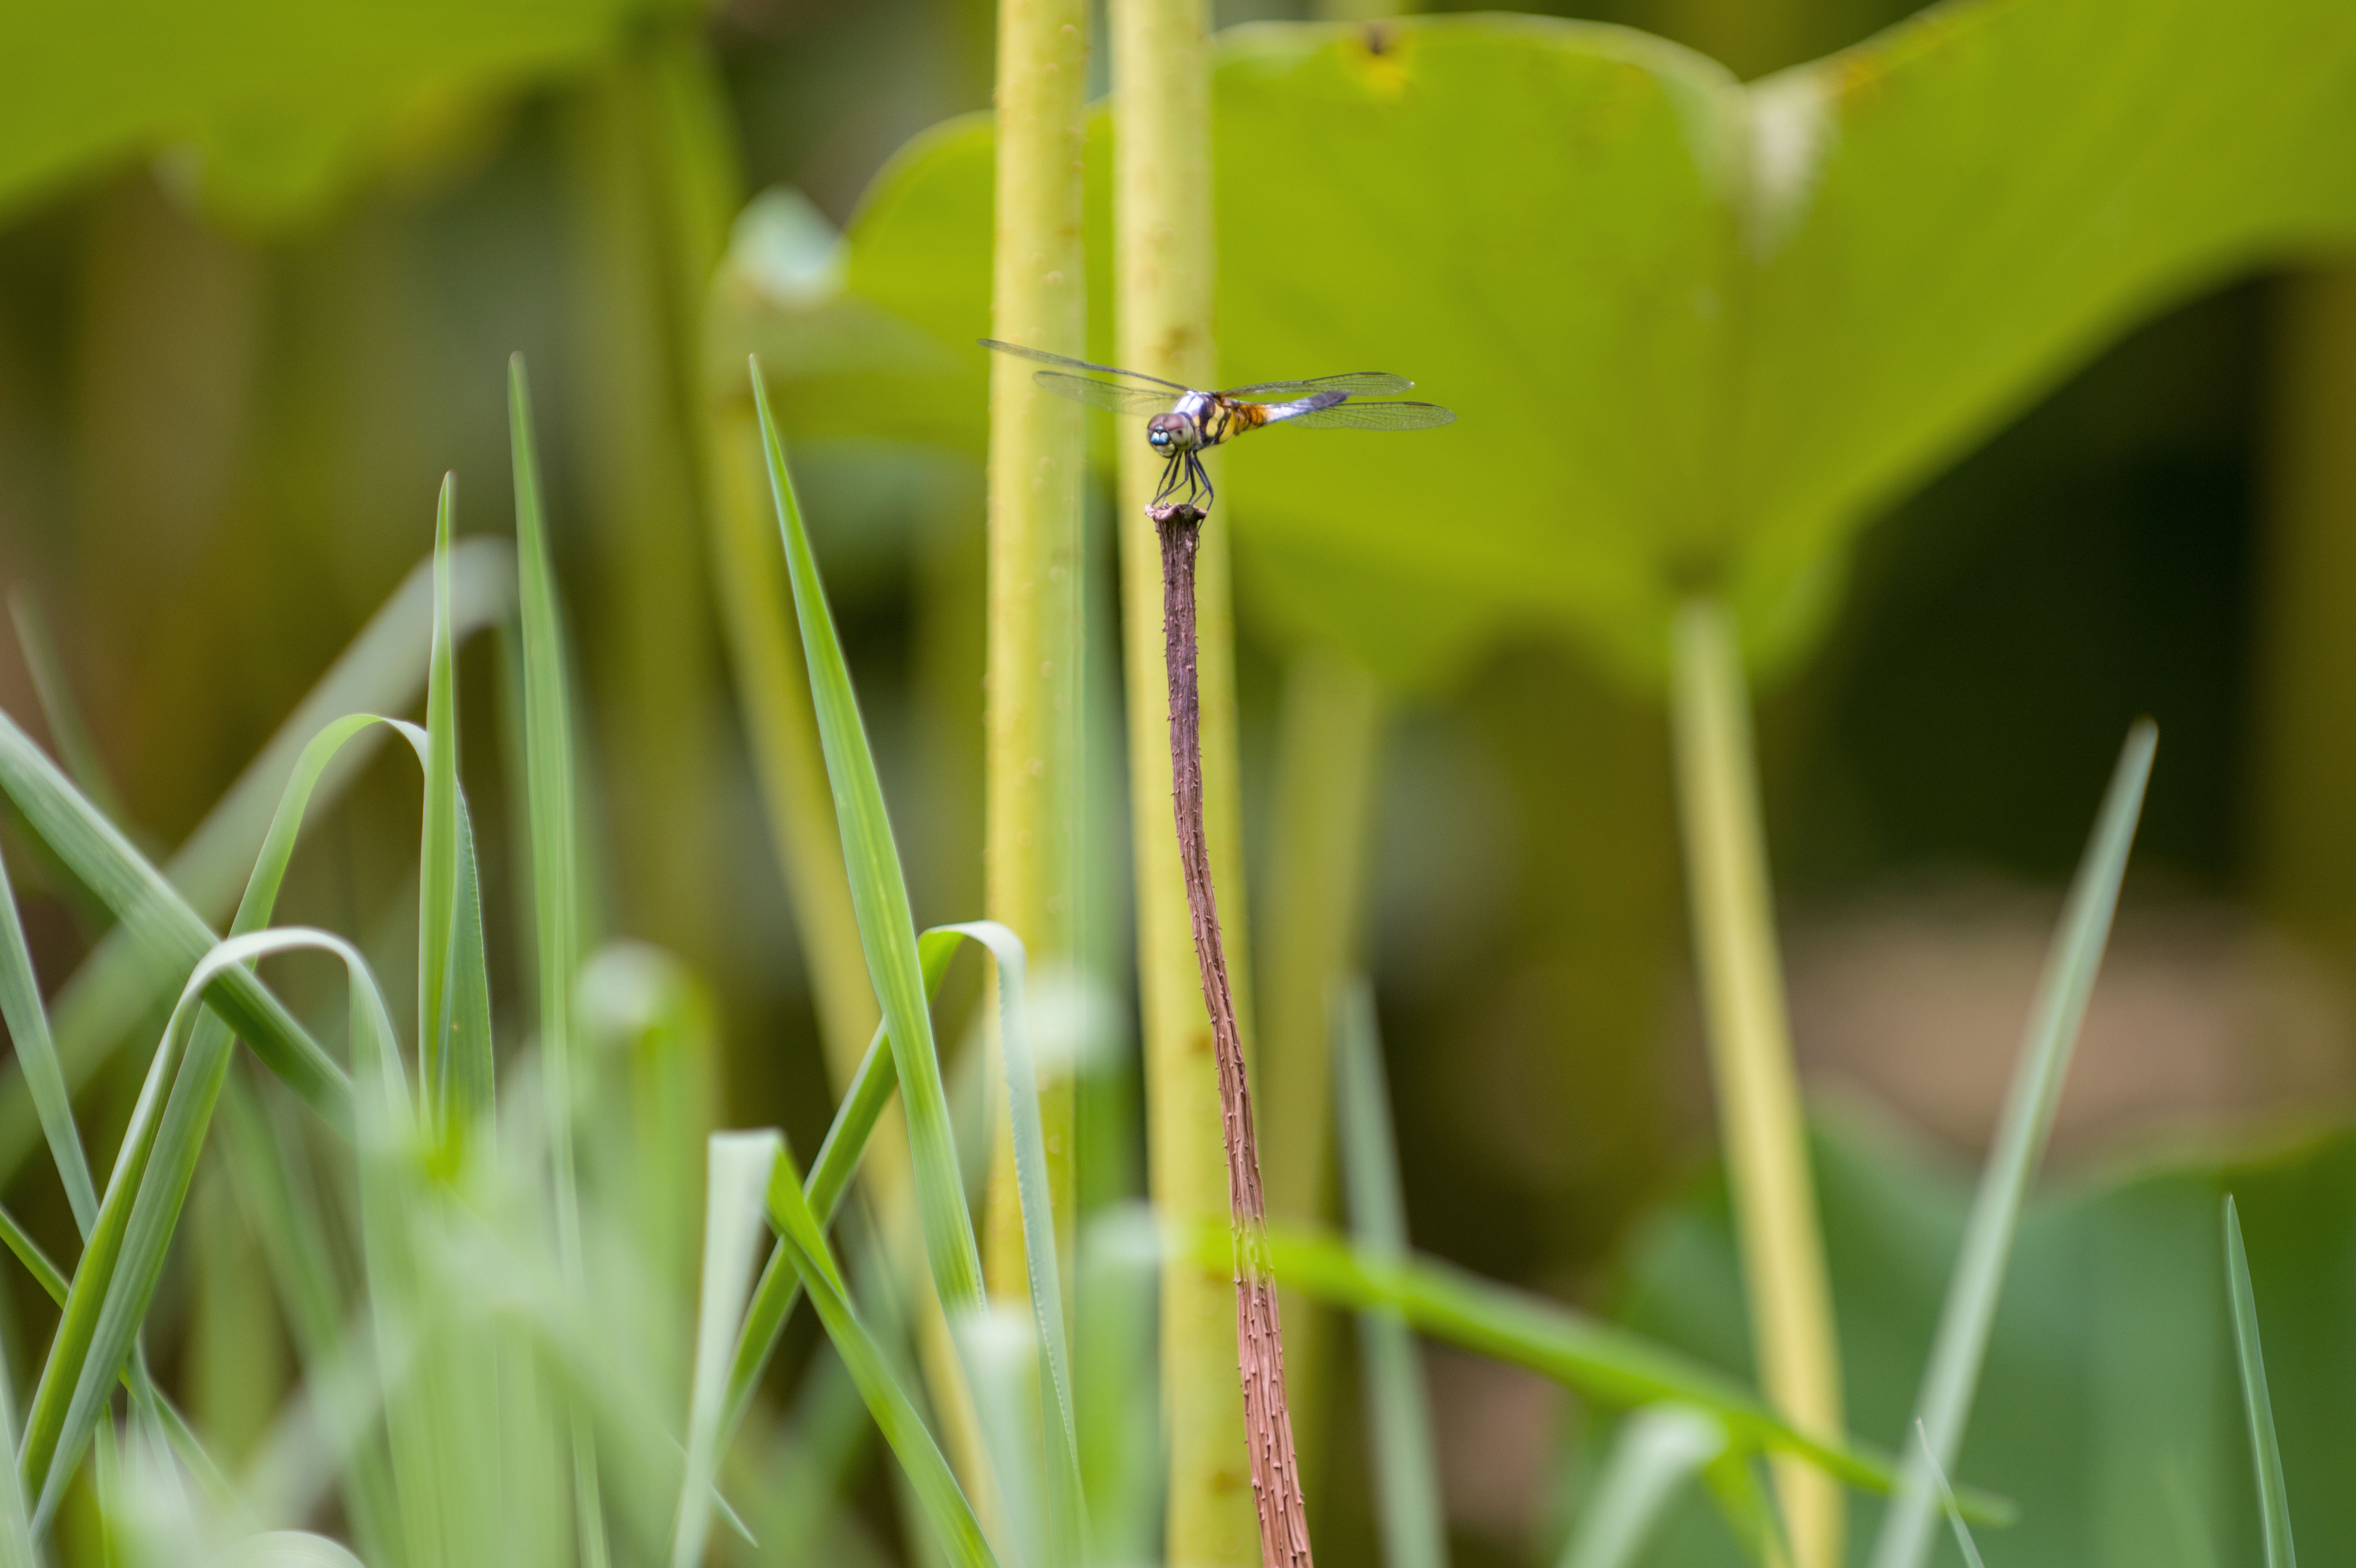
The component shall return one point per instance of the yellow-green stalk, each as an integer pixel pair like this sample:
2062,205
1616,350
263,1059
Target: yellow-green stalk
1166,267
2307,735
1328,742
1033,763
1775,1218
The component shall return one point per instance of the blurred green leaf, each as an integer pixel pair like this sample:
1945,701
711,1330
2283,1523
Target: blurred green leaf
270,105
1698,331
1601,1360
2109,1409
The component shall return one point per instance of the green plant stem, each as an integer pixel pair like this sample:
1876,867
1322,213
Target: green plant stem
1034,767
2305,836
1165,267
1750,1062
639,309
1329,742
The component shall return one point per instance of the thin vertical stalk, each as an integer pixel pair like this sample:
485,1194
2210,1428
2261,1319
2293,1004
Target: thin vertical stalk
1750,1062
1164,265
2305,836
1328,741
1259,1329
1032,766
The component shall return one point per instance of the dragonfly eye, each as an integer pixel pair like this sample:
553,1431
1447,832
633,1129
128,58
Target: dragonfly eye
1157,437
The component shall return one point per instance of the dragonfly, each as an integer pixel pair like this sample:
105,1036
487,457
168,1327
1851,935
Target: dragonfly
1187,421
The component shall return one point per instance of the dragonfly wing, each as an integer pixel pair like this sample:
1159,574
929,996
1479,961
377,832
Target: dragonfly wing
1356,384
1355,415
1044,357
1112,395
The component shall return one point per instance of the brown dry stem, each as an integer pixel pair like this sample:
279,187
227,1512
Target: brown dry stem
1259,1334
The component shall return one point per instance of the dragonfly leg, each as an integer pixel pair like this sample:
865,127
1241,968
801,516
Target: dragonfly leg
1198,480
1170,472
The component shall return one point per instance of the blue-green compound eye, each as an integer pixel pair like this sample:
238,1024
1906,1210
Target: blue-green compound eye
1158,437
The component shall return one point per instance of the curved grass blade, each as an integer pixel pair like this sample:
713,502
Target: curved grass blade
37,1056
740,1165
123,1263
1065,1502
879,896
838,1157
1968,1315
171,932
382,670
2266,1448
1600,1359
1657,1450
135,1225
957,1530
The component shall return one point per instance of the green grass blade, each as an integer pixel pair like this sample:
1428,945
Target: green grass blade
122,1266
829,1178
76,749
957,1530
1968,1315
1603,1361
1656,1451
878,895
172,932
382,670
37,1054
1065,1499
740,1166
1398,1410
438,856
16,1547
2266,1449
555,869
1963,1531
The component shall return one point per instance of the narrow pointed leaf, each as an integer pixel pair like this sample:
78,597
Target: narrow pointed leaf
879,896
2266,1448
1968,1315
36,1055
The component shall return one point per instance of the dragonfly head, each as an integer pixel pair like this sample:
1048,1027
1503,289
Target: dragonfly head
1170,433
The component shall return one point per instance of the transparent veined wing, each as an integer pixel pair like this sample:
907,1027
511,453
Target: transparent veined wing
1355,384
1044,357
1113,395
1354,415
